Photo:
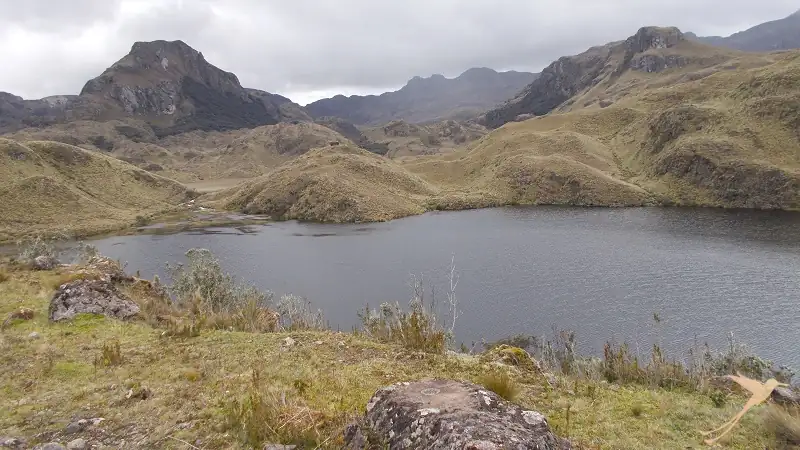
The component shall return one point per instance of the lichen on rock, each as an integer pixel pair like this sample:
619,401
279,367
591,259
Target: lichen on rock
446,414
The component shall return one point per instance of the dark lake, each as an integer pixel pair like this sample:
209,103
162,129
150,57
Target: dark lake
600,272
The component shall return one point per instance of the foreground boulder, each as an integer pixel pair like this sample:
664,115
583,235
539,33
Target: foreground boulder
88,296
445,414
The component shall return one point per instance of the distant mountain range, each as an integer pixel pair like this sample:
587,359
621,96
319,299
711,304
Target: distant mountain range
783,34
429,99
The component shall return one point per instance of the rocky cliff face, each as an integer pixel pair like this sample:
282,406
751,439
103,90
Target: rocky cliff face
15,112
651,49
427,99
168,84
783,34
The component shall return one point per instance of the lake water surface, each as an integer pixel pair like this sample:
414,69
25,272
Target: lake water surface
601,272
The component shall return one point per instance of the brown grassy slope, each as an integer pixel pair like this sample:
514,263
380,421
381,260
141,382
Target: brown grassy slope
254,152
50,186
335,184
726,139
517,164
406,139
192,156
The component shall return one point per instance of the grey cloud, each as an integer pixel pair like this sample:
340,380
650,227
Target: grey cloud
310,45
48,16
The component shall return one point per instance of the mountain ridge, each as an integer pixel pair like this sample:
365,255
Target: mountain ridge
781,34
427,99
168,84
650,51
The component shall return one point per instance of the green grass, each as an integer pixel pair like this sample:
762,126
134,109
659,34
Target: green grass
223,389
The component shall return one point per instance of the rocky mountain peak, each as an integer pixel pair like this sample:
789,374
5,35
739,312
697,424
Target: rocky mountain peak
477,74
150,64
649,50
648,38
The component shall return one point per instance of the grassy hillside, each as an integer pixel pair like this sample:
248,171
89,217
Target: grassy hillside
727,138
50,186
337,184
192,156
406,139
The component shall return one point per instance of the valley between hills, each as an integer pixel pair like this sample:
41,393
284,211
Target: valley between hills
661,118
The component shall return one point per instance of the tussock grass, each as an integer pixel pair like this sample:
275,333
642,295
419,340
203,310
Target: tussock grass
499,382
110,355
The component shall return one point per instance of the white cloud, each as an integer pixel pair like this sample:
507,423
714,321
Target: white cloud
307,48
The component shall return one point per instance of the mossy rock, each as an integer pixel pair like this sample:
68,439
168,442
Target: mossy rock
512,356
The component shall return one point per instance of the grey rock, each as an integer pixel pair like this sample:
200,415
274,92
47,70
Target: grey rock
785,396
92,297
445,414
279,447
12,442
33,335
50,446
45,263
76,427
77,444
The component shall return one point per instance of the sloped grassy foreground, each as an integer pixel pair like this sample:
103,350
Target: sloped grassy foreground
181,376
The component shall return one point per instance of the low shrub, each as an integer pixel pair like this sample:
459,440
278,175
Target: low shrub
203,279
31,248
416,329
296,313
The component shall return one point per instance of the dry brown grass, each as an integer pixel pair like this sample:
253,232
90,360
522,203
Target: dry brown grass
405,139
46,186
726,138
335,184
499,382
784,424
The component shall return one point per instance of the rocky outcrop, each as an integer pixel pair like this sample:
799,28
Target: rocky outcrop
651,49
444,414
427,99
16,113
90,296
168,84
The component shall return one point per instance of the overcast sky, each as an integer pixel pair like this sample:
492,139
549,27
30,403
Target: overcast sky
308,49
